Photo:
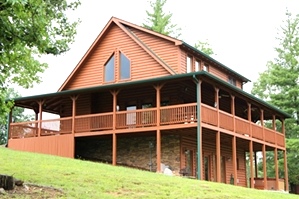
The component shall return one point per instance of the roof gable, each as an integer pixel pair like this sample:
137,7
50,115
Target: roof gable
123,26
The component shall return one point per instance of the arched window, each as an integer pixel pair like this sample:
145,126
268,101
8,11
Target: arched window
125,67
109,70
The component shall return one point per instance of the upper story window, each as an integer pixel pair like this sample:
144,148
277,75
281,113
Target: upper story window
122,68
205,67
109,69
125,67
232,81
197,65
189,64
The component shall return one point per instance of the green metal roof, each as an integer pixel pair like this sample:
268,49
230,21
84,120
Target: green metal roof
155,80
217,62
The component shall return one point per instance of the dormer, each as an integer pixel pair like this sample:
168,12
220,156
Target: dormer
193,60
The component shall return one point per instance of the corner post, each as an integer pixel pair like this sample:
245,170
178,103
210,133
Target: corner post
276,169
265,167
158,132
40,108
198,129
74,98
114,137
251,164
234,157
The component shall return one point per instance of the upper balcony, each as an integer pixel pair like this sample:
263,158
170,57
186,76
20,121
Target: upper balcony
161,103
171,117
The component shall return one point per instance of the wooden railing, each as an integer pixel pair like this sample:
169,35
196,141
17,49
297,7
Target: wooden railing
142,118
178,114
94,122
136,118
209,114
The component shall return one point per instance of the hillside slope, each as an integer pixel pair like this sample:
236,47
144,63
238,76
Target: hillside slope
84,179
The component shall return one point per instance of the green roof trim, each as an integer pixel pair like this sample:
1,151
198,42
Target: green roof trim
217,62
155,80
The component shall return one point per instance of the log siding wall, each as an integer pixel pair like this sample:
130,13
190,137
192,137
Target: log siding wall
91,72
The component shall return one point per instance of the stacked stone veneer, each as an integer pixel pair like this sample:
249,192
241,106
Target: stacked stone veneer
132,151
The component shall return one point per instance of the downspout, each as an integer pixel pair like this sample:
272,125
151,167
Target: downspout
198,129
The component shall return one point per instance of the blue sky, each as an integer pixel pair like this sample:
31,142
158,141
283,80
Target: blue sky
241,33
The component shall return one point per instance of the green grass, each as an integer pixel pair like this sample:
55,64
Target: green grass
84,179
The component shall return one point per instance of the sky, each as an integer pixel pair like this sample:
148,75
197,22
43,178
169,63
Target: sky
241,33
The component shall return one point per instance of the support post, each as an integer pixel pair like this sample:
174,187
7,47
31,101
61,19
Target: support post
255,164
158,133
40,108
251,164
198,129
276,169
249,118
233,112
74,98
265,167
234,159
218,156
262,123
114,137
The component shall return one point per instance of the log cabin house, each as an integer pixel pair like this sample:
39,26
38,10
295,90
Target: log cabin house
145,100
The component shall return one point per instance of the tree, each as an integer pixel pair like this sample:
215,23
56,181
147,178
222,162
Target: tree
204,47
18,115
29,29
279,85
159,21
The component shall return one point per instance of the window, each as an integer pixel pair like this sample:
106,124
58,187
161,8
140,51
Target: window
189,64
232,81
206,67
109,70
197,65
125,67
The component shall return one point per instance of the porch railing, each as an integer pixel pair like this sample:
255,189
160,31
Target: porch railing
141,118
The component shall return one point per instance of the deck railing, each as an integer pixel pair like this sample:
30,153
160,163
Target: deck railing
178,114
142,118
136,118
94,122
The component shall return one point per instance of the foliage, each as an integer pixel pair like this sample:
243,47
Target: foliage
29,29
159,21
84,179
18,115
204,47
279,85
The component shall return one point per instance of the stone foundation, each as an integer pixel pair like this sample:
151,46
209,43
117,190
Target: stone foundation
133,151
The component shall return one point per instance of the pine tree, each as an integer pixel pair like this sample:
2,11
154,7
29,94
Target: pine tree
159,21
279,85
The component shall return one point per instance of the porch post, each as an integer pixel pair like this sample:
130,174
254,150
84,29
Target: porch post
262,123
251,164
286,174
233,112
198,129
234,157
276,169
265,167
274,127
114,137
218,157
217,104
249,118
74,98
40,108
158,133
255,164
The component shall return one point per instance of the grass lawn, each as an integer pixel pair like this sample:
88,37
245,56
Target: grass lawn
84,179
